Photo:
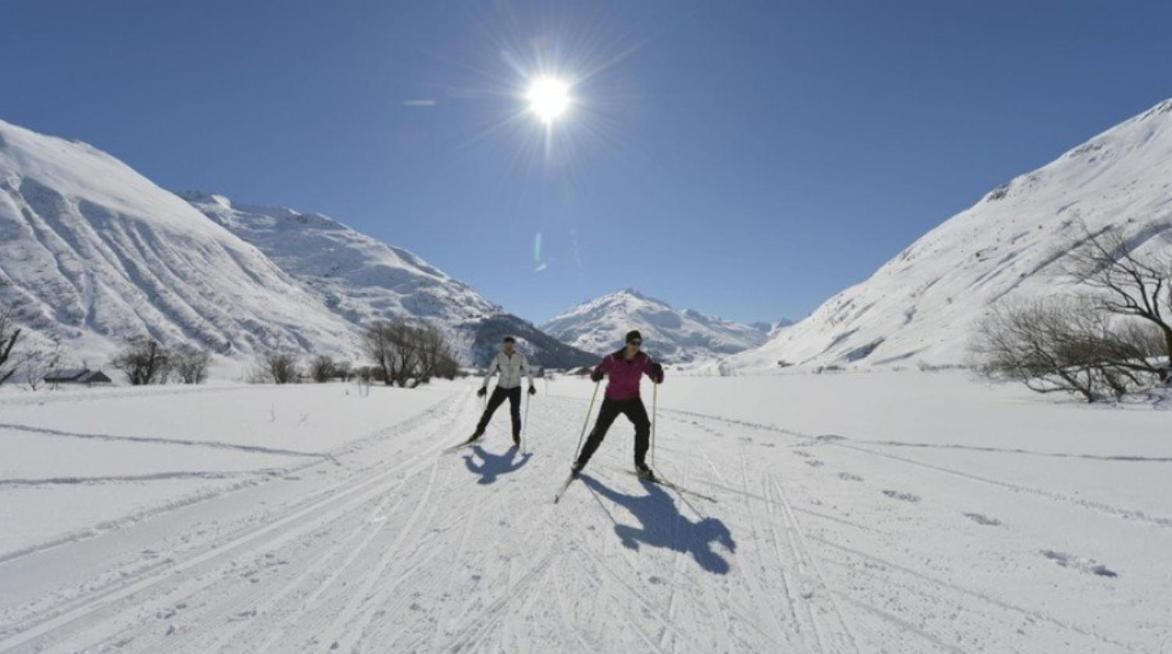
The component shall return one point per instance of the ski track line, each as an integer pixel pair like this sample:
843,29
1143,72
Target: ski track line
727,609
154,440
405,426
797,580
902,624
461,549
337,493
843,629
1030,614
282,540
318,562
598,581
366,596
322,558
782,564
494,609
276,633
1126,514
154,476
760,599
601,588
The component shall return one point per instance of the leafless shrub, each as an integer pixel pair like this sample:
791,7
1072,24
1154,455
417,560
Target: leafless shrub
143,361
276,367
191,365
322,368
1066,345
34,365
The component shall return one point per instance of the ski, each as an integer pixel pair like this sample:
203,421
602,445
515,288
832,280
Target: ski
672,485
566,484
461,445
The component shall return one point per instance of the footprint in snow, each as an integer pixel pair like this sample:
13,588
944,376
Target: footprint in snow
814,463
849,476
802,453
1085,565
655,580
902,496
982,519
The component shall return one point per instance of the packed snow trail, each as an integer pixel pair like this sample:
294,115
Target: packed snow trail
394,545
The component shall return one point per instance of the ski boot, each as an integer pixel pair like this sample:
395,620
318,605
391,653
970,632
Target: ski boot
644,472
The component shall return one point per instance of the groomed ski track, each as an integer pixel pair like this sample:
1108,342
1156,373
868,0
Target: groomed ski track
390,545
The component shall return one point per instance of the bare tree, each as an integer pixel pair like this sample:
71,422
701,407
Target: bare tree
276,368
191,365
143,361
322,368
343,370
393,347
34,365
9,335
435,358
377,342
1067,345
1125,283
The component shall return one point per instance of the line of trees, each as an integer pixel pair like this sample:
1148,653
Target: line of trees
144,361
1110,339
399,353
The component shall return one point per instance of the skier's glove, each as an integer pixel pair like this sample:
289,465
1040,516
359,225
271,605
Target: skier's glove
596,376
482,391
657,373
533,390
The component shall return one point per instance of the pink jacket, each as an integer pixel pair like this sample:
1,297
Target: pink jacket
625,375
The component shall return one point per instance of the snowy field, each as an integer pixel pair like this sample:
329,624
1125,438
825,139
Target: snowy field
900,512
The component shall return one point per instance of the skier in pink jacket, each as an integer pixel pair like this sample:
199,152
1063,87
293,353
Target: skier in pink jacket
625,369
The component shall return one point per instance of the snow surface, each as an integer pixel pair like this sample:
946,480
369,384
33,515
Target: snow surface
92,253
675,336
899,512
922,305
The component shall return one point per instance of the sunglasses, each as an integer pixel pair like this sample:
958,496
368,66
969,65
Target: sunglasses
636,343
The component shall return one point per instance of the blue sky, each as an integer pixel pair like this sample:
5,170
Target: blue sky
745,159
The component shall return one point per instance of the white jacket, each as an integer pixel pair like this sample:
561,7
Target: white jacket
511,369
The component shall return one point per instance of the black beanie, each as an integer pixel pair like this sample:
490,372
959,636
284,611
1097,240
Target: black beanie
634,335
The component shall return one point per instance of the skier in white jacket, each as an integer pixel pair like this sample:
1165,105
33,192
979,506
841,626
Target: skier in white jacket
511,365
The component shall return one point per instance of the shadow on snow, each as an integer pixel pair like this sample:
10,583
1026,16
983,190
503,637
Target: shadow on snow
492,466
664,526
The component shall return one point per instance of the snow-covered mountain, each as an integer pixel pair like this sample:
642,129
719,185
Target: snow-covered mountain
91,252
676,336
362,279
922,305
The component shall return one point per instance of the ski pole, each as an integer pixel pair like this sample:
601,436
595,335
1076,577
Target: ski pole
525,424
654,419
587,421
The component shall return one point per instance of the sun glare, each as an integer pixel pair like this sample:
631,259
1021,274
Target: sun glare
549,98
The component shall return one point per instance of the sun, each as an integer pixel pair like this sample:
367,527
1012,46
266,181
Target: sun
549,98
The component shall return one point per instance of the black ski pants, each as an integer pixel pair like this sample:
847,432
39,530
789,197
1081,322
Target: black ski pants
498,397
635,412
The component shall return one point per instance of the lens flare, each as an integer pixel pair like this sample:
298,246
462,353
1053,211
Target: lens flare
549,98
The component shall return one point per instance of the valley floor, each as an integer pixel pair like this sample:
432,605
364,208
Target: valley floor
899,512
